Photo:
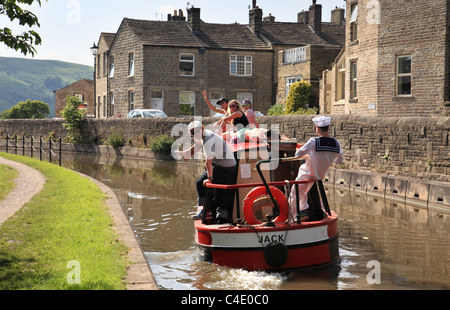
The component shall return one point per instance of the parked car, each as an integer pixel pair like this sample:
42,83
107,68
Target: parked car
143,113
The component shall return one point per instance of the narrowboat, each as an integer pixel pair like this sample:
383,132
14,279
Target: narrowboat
263,236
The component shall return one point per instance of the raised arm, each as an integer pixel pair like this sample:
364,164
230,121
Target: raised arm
211,106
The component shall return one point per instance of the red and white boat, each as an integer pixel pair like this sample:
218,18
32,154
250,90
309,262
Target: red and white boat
264,238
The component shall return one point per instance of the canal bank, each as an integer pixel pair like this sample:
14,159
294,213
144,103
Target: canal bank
31,182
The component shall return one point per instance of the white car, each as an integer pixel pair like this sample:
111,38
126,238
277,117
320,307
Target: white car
143,113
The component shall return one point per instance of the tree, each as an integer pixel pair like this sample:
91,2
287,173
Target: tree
24,42
26,110
74,118
299,97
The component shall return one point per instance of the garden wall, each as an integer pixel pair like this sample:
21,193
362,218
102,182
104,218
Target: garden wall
416,147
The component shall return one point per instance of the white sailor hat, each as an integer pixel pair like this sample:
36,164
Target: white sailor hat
322,121
194,125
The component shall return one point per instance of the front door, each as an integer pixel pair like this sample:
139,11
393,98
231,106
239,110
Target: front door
157,100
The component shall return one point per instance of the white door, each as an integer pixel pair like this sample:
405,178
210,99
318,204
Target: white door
157,100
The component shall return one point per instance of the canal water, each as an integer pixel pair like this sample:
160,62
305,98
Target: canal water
380,246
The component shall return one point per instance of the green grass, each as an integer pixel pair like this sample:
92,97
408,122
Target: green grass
68,221
7,177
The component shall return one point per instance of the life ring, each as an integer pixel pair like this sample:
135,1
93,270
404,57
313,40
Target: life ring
261,193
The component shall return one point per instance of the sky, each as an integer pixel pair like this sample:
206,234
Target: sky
68,28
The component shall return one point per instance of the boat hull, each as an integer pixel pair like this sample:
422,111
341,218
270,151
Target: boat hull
258,248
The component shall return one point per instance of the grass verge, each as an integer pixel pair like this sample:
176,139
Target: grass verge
7,177
62,239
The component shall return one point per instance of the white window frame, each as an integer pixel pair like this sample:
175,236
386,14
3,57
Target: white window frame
241,65
111,112
131,103
241,96
190,102
354,23
187,61
403,75
131,64
340,80
112,68
353,80
291,80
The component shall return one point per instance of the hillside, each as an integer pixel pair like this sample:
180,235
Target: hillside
22,79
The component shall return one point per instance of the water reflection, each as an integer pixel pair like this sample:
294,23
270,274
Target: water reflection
158,198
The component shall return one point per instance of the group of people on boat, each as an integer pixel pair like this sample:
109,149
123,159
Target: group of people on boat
236,127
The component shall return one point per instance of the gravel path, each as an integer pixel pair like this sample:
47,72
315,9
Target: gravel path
29,183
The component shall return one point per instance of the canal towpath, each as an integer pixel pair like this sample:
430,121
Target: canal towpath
30,182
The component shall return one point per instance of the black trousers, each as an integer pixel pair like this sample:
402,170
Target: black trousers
219,201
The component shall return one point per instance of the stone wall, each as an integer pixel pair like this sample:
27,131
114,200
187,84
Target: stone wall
416,147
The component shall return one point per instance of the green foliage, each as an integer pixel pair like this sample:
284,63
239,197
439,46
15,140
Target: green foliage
278,109
162,144
116,140
26,110
22,79
24,42
299,97
73,116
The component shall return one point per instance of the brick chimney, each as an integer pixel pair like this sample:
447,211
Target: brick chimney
303,17
256,17
270,18
338,16
194,19
315,17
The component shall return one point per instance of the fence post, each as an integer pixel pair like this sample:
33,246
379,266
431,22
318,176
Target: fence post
15,144
23,145
7,143
32,151
40,148
60,152
50,150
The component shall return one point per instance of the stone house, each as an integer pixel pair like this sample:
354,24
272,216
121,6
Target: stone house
103,69
84,89
396,60
166,64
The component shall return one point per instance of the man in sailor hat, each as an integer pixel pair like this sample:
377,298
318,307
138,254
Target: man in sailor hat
320,153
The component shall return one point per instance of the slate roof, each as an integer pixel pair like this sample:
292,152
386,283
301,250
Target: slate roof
109,38
232,36
280,33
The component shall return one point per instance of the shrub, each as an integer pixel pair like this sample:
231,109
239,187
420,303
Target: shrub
278,109
299,97
116,140
162,144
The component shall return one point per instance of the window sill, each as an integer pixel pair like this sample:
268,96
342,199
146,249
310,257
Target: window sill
404,97
354,100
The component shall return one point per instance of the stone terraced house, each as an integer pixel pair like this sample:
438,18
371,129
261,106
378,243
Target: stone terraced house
166,64
396,60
